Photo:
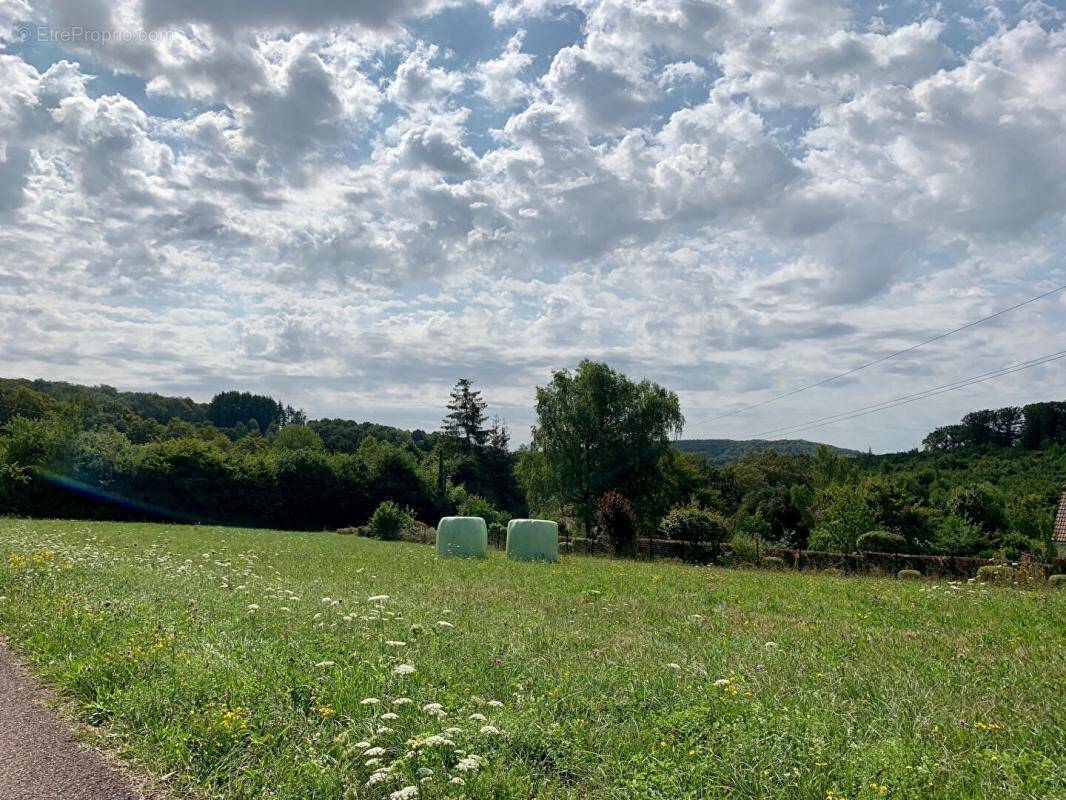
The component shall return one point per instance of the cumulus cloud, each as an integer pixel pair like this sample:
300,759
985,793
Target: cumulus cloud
501,77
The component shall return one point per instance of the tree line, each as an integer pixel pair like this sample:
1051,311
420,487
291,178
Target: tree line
600,461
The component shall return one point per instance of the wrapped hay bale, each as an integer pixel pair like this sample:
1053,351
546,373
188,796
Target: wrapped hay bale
533,539
464,537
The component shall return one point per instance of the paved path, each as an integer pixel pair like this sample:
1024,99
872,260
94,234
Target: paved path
39,760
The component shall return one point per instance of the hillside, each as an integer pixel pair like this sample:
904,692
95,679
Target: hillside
720,452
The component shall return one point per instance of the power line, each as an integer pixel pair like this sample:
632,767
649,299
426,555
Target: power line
973,378
876,361
913,398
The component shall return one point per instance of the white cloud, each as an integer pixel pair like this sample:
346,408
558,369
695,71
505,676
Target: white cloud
501,78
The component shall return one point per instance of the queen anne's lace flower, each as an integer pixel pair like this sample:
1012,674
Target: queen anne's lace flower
472,763
403,669
406,793
380,776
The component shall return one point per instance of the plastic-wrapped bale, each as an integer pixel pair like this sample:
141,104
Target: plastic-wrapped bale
465,537
533,539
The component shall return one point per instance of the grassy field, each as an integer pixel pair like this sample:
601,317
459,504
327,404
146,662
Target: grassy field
271,665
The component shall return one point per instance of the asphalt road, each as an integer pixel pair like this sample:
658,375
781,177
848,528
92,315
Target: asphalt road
39,760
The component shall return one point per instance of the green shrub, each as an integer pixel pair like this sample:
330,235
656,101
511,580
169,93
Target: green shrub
956,536
618,521
693,524
774,562
1015,545
474,505
1057,581
744,549
349,531
389,521
881,542
909,575
996,574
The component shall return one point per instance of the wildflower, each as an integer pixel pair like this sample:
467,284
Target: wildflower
322,664
406,793
372,762
424,772
495,704
458,781
489,730
435,709
438,741
672,665
403,669
374,751
760,667
362,745
445,624
395,644
402,701
380,776
252,608
722,682
470,763
479,717
378,598
327,600
369,701
389,716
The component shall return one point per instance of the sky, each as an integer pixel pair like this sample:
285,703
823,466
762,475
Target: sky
350,204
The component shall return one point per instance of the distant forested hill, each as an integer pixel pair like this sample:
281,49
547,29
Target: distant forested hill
720,452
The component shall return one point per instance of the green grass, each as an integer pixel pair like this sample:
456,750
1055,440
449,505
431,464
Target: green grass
610,673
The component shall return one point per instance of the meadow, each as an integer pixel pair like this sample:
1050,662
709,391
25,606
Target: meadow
266,664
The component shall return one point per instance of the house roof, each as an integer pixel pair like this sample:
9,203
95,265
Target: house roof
1058,534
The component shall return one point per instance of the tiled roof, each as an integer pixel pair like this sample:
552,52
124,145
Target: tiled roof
1059,533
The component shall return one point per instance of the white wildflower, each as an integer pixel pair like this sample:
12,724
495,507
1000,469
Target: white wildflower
437,741
489,730
436,709
321,664
672,665
374,751
378,598
372,762
403,669
479,717
396,644
380,776
471,763
402,701
327,600
458,781
389,716
362,745
445,624
406,793
369,701
252,608
495,704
